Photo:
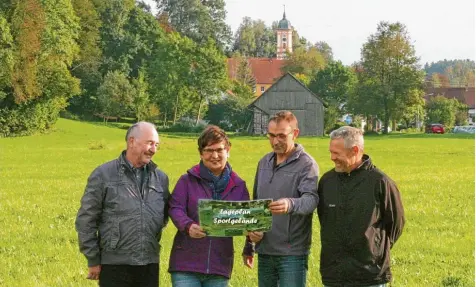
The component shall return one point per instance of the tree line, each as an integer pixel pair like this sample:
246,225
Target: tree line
114,58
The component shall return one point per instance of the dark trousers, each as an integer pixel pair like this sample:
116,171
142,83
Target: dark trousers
129,276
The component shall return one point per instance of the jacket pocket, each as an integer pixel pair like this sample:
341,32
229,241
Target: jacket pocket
115,234
156,206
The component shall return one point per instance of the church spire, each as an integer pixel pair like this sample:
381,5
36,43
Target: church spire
284,35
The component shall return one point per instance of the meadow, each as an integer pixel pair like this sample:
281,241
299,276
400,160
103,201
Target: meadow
42,179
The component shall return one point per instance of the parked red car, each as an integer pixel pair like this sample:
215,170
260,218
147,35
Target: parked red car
435,129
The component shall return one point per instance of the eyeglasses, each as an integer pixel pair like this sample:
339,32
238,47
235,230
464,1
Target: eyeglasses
210,151
280,137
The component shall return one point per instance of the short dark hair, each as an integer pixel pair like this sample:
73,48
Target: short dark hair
285,116
211,135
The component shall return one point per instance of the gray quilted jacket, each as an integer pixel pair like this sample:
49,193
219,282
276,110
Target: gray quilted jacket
115,224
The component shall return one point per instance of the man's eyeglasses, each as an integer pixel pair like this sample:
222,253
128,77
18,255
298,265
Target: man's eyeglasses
280,137
210,151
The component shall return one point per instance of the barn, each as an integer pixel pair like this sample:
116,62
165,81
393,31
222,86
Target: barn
288,93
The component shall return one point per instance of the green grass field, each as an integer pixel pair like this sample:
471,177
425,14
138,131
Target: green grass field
42,179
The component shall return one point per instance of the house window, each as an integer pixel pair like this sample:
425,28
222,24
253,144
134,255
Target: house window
284,45
262,88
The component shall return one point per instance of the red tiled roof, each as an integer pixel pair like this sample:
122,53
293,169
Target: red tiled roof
464,95
265,70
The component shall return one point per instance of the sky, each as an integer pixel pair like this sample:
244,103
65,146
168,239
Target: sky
438,29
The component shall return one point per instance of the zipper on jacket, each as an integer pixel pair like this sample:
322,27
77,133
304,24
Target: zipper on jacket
282,164
141,230
209,252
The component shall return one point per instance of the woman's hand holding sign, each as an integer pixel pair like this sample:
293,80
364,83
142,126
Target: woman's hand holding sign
195,231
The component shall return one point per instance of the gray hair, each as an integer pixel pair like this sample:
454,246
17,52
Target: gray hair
352,136
134,130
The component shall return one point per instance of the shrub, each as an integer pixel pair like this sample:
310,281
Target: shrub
34,116
186,126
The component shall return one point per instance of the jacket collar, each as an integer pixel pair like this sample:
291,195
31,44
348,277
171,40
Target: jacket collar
299,149
124,163
365,165
235,180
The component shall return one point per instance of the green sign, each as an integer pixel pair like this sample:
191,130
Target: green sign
234,218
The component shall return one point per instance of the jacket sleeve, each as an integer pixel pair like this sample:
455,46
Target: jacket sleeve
248,249
255,184
178,206
87,220
393,215
307,188
165,188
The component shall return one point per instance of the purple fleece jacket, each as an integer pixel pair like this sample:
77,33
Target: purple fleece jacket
208,255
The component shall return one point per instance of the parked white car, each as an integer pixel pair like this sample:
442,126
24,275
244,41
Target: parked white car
463,130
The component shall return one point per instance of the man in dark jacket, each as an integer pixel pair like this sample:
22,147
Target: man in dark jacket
361,215
289,176
122,213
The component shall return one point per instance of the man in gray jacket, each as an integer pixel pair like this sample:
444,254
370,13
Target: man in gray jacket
122,213
289,176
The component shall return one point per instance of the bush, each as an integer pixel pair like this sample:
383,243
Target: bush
69,115
186,126
371,133
336,126
97,145
26,119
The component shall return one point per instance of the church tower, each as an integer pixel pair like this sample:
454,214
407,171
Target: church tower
284,34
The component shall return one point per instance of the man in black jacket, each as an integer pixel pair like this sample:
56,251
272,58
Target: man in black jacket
360,213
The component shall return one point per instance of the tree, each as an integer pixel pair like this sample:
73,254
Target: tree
254,39
230,113
231,110
208,74
300,42
325,50
198,20
142,107
244,74
411,115
461,113
305,79
44,46
128,35
457,73
435,80
334,84
115,41
390,65
303,61
185,75
86,65
441,110
28,22
116,95
6,58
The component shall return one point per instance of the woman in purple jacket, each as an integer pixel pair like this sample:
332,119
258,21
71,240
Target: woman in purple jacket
196,259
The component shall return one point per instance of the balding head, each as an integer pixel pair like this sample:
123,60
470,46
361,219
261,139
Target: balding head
136,129
142,143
